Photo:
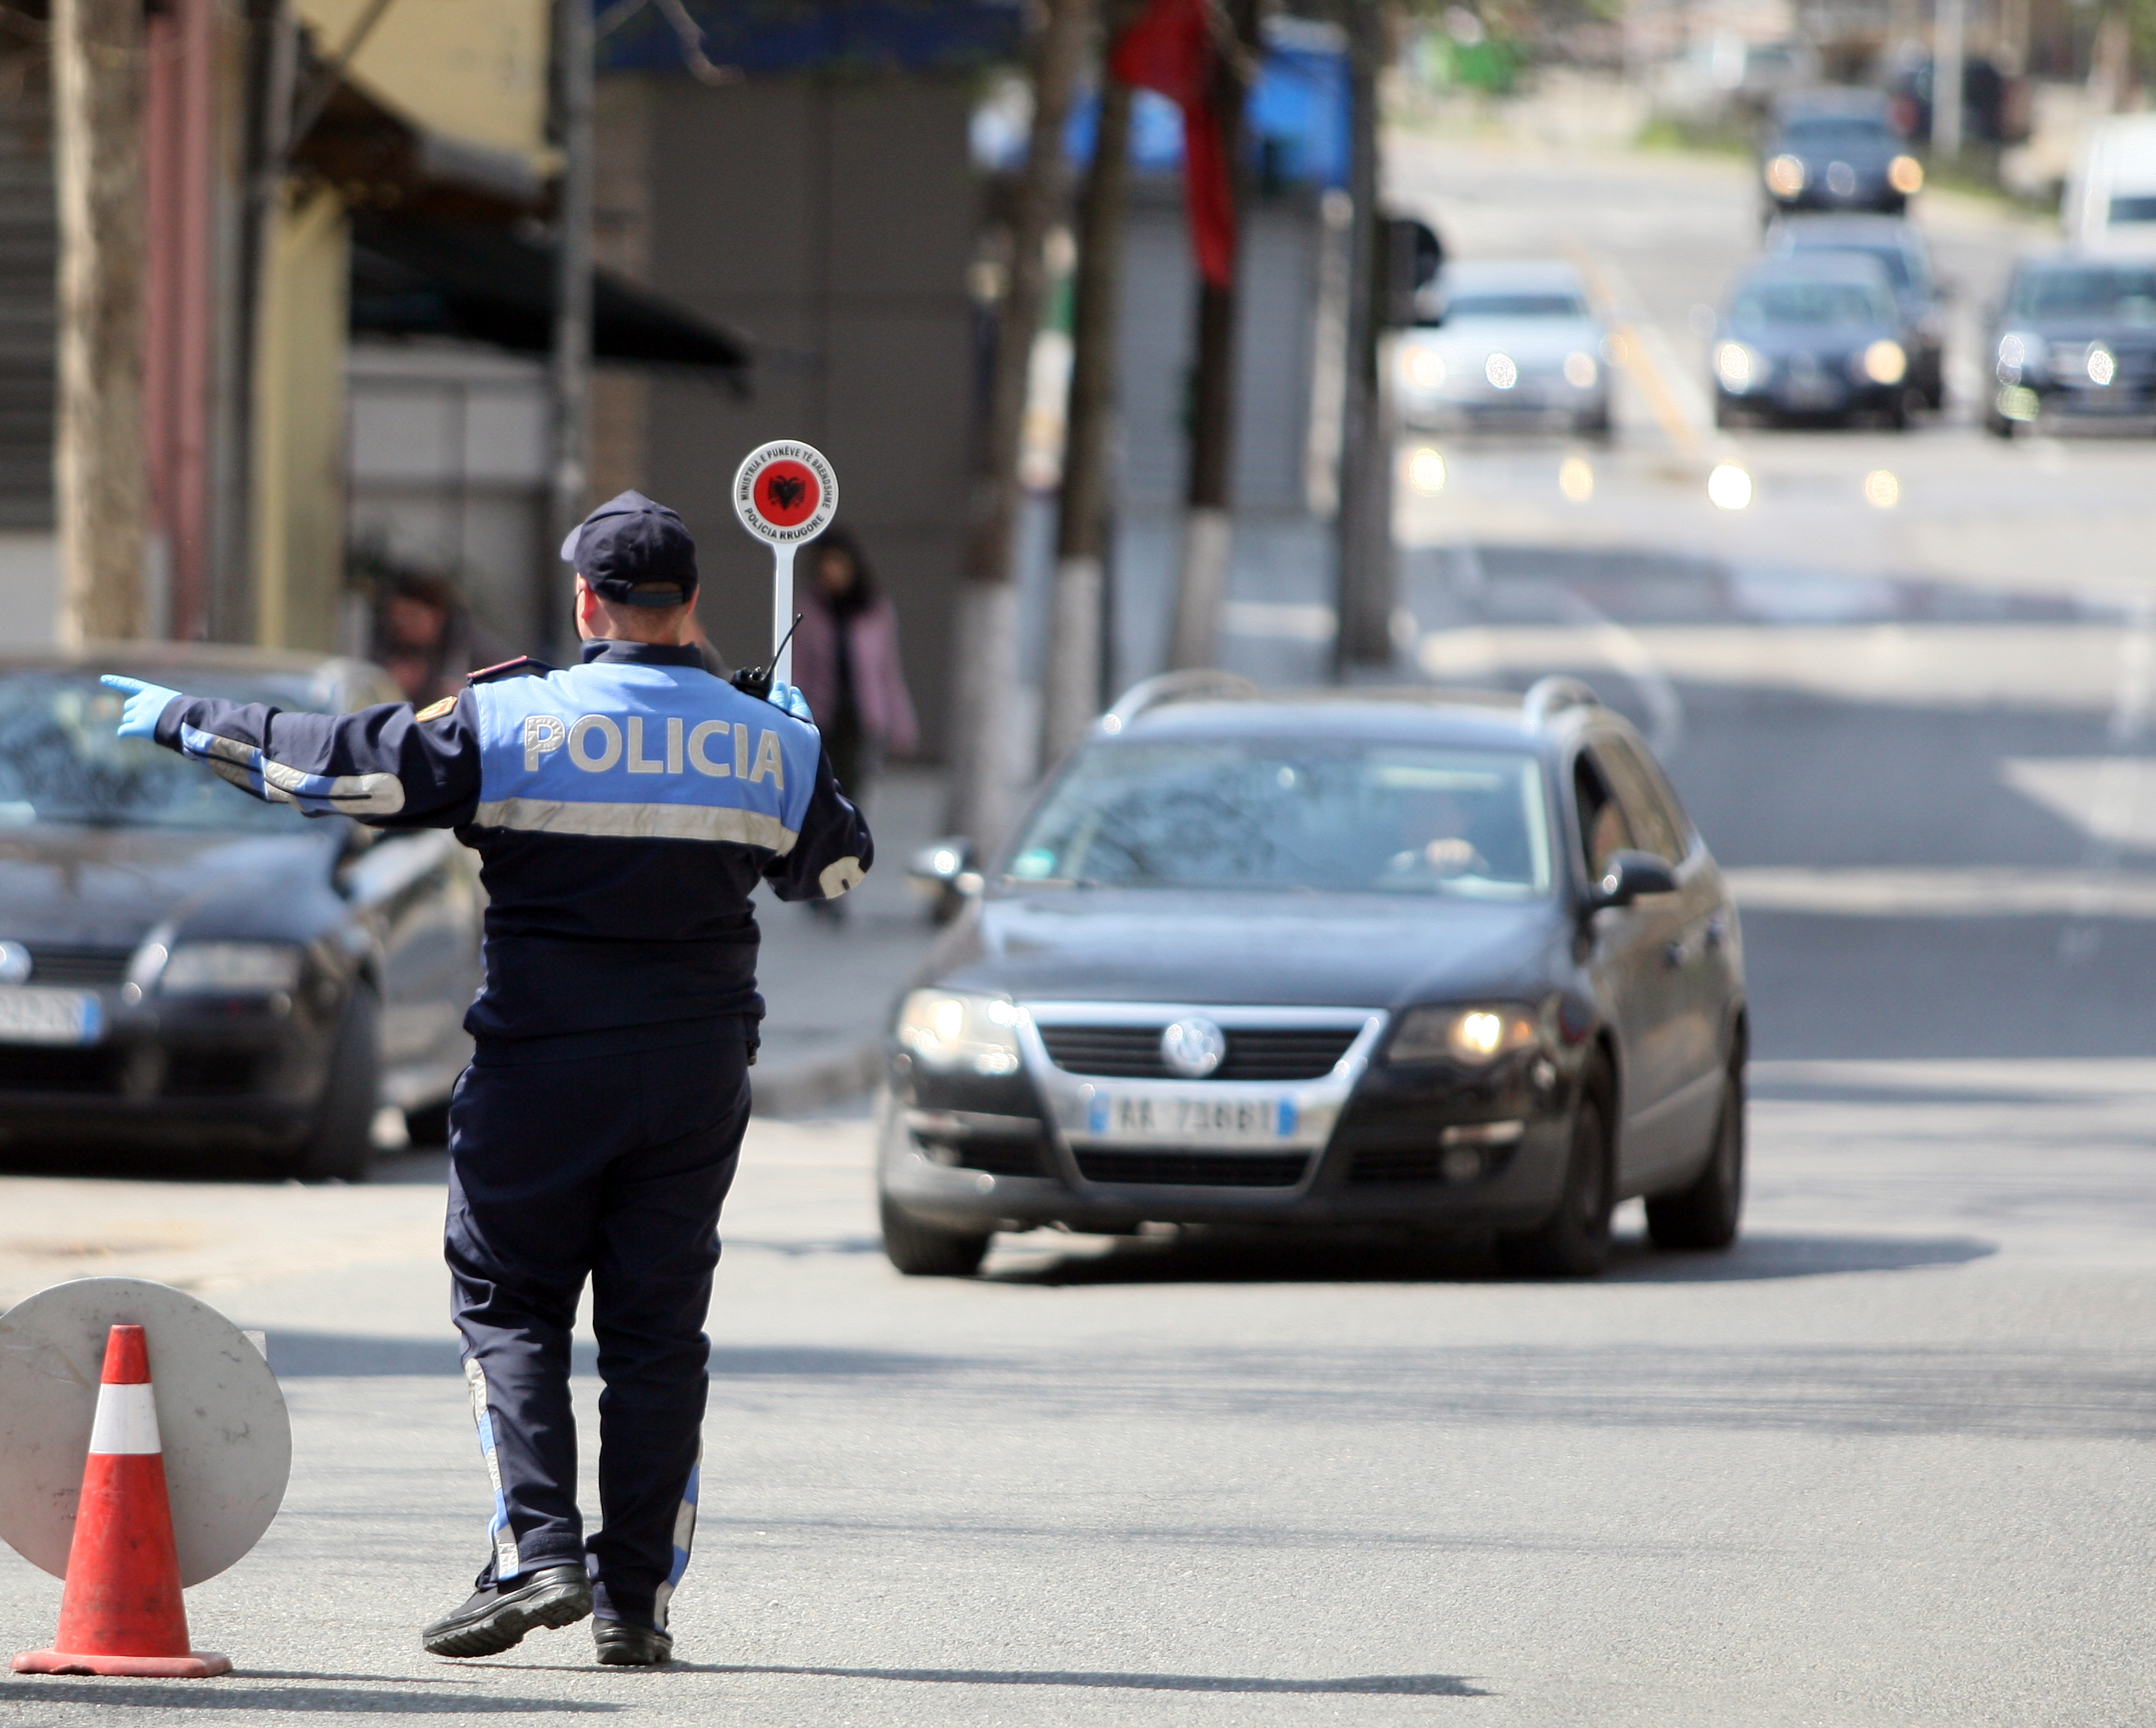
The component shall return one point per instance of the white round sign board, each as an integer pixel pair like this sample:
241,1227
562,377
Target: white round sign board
785,493
221,1419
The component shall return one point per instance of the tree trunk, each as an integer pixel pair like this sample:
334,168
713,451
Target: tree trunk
1202,585
986,748
100,458
1365,591
572,369
1076,652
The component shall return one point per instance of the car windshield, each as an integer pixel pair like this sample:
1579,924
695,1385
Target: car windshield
1514,306
1825,134
1807,301
1349,818
61,761
2122,292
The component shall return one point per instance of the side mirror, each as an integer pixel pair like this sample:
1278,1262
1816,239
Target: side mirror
1627,877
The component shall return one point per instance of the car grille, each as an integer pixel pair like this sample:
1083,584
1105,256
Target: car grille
1166,1166
1132,1053
211,1073
1417,1164
77,963
26,1069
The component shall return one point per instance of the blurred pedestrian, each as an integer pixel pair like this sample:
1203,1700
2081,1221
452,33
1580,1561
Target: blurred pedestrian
426,637
845,661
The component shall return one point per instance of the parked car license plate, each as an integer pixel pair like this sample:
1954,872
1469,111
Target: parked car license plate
1190,1117
30,1014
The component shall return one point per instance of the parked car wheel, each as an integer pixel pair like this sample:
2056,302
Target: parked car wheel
1706,1214
1574,1241
429,1125
920,1250
342,1142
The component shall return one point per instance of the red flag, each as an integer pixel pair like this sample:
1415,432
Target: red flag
1170,50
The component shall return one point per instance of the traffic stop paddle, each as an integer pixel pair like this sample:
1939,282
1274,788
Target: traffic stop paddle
785,494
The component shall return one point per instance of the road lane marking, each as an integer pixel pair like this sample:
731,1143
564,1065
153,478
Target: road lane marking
1637,339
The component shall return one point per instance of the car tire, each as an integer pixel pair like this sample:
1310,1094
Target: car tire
1725,416
1573,1242
1897,414
920,1249
1706,1214
341,1145
428,1126
1998,425
1594,425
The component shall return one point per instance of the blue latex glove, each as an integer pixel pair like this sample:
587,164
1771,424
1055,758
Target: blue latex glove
788,699
146,705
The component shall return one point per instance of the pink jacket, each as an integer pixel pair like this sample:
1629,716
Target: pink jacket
879,697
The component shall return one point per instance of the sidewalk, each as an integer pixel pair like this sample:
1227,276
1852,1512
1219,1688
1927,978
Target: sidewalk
828,987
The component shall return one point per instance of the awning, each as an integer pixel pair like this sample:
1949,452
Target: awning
487,283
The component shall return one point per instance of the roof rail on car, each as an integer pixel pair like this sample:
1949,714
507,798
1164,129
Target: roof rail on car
1547,697
1157,692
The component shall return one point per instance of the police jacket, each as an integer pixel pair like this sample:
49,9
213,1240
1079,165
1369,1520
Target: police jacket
623,809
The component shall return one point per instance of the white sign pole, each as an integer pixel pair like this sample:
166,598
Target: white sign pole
785,494
782,612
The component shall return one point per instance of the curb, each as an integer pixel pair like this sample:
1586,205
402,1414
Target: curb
800,1088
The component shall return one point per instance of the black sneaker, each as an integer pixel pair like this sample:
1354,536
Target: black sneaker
622,1645
496,1618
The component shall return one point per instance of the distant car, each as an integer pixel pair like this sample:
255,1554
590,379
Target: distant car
2110,204
1837,150
1896,242
2076,335
184,967
1815,336
1402,960
1506,341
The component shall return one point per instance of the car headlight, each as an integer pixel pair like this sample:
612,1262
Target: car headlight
953,1033
1883,362
2101,365
1424,366
2020,356
230,969
1739,367
1580,370
1786,176
1905,175
1475,1036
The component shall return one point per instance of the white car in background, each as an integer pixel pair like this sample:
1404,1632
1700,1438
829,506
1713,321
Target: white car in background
2110,204
1506,341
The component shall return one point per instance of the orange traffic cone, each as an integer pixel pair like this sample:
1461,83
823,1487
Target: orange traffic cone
121,1613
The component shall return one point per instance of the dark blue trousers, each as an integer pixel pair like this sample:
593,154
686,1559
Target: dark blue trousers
600,1158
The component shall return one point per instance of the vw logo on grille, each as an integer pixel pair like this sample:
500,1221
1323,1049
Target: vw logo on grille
14,963
1193,1047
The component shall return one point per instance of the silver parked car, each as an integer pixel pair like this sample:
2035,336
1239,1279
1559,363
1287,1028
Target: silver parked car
1511,341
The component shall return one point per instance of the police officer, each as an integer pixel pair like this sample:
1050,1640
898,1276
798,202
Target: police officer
623,810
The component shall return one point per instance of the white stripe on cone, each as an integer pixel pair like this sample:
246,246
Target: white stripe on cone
127,1420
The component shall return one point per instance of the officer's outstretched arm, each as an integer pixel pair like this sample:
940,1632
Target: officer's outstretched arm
384,766
835,848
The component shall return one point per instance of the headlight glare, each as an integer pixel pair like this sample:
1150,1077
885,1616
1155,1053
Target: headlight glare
1474,1037
2021,356
951,1032
1786,176
1905,175
1580,370
1738,367
230,969
1884,363
1425,367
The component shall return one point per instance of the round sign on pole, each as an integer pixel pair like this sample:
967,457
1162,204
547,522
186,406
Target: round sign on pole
785,493
221,1419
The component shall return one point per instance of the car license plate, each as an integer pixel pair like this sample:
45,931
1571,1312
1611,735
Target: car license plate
31,1015
1189,1118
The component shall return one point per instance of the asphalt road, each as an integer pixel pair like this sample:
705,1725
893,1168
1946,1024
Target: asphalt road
1888,1462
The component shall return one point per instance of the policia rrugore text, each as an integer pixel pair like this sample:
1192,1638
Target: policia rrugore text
623,809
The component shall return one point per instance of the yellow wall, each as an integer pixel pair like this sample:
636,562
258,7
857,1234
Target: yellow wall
299,426
474,69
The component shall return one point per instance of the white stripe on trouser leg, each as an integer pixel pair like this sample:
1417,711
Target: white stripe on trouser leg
498,1531
684,1535
127,1420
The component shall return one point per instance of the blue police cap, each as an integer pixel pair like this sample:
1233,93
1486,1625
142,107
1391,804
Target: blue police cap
634,552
